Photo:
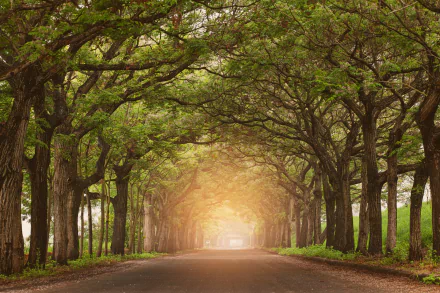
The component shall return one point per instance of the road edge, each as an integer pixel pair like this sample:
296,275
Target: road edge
358,266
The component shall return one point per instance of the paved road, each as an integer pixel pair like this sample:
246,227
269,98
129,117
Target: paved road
237,271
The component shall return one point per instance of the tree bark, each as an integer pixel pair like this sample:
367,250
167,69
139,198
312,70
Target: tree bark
102,222
317,193
120,208
148,223
373,193
12,135
140,217
415,234
363,213
90,224
330,206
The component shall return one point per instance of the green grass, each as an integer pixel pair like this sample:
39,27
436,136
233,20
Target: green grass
84,262
317,251
403,214
400,253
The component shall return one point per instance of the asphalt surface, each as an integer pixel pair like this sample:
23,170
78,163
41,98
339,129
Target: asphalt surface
235,271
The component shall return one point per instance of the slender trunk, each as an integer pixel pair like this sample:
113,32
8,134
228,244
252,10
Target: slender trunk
417,192
102,222
107,218
140,217
297,210
148,224
49,218
363,212
81,245
330,205
90,224
392,202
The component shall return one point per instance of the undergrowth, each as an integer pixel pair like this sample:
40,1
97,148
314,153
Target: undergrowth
317,251
86,261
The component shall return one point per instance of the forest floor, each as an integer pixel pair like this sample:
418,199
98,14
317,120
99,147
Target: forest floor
221,271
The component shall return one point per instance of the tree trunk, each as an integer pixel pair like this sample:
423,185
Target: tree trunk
64,171
363,213
140,218
163,234
148,223
317,192
81,244
330,205
90,224
297,210
12,136
102,224
107,218
304,226
120,208
49,217
131,241
373,193
392,202
38,173
417,192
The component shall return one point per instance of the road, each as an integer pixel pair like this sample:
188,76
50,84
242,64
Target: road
237,271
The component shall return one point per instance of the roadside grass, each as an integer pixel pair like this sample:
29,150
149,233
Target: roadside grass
317,251
86,261
398,259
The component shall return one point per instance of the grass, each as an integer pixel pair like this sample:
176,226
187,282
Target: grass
317,251
403,214
84,262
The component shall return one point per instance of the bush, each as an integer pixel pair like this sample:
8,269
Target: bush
317,251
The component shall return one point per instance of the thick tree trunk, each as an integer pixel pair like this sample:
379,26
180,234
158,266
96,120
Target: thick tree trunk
148,224
363,212
64,171
373,193
304,226
330,206
311,223
38,168
317,193
340,227
433,162
12,136
163,234
131,239
120,208
415,233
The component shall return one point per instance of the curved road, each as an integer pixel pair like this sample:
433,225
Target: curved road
237,271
